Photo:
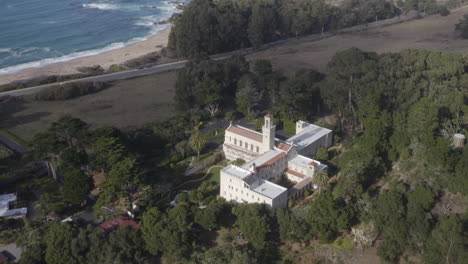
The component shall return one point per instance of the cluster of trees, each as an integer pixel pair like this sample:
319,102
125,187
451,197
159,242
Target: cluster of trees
74,152
66,243
211,87
209,27
403,108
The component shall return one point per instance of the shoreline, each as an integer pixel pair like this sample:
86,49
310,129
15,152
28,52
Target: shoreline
105,59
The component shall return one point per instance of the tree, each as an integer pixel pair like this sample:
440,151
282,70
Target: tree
124,179
247,94
322,154
462,26
58,241
232,255
107,151
291,227
76,186
153,223
326,217
262,24
125,246
197,141
253,222
389,213
423,119
211,216
447,243
320,179
345,88
210,94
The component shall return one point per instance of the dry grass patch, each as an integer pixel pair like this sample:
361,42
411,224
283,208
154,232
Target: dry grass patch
433,32
125,104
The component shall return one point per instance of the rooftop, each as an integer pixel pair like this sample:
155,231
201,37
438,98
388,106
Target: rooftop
236,171
295,173
303,161
116,223
308,135
269,189
283,146
5,211
266,159
245,132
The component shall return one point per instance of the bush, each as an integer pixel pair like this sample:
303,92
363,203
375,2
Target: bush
443,11
69,90
114,68
239,162
58,208
289,126
233,115
143,61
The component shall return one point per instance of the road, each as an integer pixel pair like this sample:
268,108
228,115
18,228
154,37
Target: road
182,63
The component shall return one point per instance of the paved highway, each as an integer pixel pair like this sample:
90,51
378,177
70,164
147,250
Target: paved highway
182,63
121,75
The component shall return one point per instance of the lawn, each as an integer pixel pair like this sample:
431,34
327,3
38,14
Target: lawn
125,104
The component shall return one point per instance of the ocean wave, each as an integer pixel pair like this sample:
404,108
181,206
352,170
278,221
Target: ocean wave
101,6
76,55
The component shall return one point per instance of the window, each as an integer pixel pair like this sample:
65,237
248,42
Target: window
251,147
235,141
240,143
258,149
246,145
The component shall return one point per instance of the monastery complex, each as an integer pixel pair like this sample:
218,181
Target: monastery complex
269,160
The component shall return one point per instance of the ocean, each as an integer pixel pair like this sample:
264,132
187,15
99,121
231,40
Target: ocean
35,33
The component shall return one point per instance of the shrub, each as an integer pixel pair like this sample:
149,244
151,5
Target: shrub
443,11
68,91
233,115
114,68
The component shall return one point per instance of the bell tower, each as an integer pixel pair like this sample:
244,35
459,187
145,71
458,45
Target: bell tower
268,131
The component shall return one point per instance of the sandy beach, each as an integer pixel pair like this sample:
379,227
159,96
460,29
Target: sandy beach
105,59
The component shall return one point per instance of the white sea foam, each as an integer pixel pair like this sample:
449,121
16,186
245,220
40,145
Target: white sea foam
166,8
76,55
101,6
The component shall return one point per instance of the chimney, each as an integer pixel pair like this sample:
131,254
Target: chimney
253,168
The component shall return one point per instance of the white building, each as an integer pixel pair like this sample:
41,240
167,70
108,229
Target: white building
268,160
5,211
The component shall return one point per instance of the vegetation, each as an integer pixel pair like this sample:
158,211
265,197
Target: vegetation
209,27
68,91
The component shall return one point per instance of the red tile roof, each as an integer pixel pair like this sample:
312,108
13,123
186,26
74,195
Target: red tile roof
283,146
116,223
271,161
269,115
313,163
245,133
295,173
